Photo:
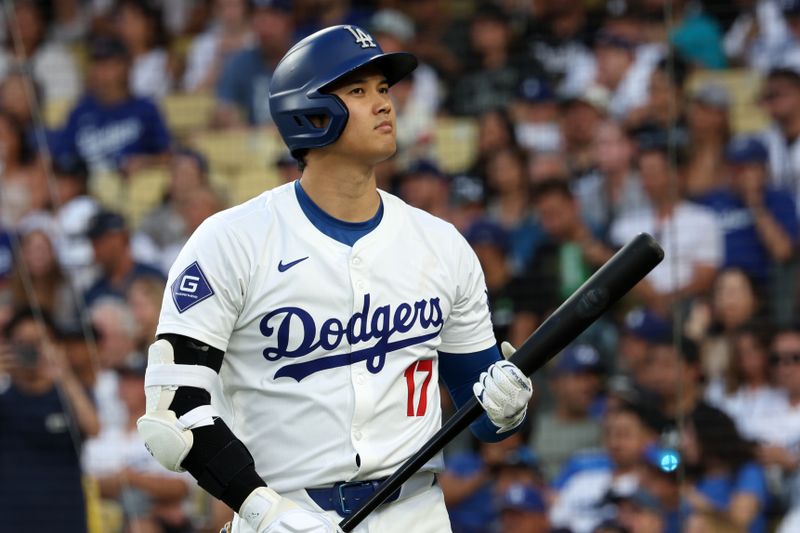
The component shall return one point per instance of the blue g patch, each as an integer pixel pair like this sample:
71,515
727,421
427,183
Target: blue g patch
190,288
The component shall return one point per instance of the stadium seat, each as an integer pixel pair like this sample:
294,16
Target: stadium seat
232,152
743,86
454,141
55,113
186,113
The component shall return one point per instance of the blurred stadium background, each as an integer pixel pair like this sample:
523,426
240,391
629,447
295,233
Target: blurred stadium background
548,131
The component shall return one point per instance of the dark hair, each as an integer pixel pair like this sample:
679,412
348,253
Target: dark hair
718,438
24,152
300,157
25,314
646,412
687,349
675,67
758,332
551,186
784,73
152,12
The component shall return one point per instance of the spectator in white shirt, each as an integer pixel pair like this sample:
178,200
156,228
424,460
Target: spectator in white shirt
688,233
781,99
52,65
228,33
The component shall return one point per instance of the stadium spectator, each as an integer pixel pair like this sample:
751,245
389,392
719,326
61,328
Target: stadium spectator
581,114
74,209
673,375
568,253
497,68
638,511
441,40
416,98
243,86
228,33
696,36
578,506
188,170
80,350
151,497
321,14
23,186
510,298
27,47
569,427
144,299
509,203
468,482
109,128
199,204
140,28
496,131
727,487
695,256
746,392
758,221
45,414
522,510
662,480
616,66
116,330
556,34
612,187
640,331
780,98
709,130
70,21
664,106
39,281
758,35
778,431
112,253
20,96
424,186
536,116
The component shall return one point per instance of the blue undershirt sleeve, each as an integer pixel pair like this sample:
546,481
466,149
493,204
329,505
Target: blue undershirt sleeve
460,371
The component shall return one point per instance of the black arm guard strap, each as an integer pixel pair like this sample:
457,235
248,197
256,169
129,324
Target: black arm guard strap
218,460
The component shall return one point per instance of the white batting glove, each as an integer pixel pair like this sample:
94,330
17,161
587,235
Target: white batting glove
266,511
504,392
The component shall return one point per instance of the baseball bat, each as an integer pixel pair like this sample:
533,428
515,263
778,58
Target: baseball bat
597,294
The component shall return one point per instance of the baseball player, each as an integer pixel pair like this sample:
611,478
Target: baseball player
328,310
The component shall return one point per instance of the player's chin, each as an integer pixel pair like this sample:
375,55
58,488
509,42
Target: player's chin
383,150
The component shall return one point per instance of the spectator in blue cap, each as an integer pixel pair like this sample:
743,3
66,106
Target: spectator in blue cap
112,253
522,510
641,328
536,116
568,426
511,299
425,186
759,222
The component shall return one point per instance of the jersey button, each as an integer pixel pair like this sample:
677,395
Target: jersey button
361,285
356,260
357,435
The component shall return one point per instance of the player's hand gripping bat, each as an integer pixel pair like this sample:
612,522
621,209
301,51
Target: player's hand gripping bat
610,283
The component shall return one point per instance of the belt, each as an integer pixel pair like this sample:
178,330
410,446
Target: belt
346,497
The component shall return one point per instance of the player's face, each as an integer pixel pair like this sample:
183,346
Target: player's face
370,134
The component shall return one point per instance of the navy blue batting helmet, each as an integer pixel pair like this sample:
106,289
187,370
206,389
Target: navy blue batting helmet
296,90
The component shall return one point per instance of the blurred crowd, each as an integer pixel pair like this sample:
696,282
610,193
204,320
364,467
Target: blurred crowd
594,121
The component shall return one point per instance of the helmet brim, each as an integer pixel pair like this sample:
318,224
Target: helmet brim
395,66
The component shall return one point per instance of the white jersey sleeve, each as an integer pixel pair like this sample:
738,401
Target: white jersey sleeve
468,329
207,286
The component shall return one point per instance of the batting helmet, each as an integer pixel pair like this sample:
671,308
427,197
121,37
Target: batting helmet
296,90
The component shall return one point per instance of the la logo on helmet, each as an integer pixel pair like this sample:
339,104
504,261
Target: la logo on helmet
361,37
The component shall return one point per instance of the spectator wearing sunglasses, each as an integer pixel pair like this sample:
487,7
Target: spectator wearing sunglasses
778,431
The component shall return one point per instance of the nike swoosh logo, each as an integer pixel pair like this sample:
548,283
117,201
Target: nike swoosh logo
287,266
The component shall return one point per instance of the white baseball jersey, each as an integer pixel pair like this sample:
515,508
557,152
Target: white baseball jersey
330,369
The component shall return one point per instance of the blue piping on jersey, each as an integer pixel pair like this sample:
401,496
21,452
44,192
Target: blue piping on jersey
344,232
